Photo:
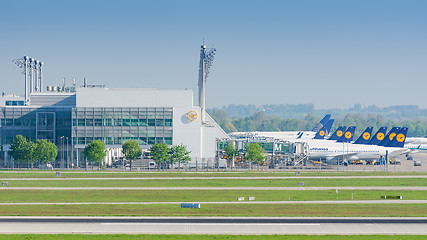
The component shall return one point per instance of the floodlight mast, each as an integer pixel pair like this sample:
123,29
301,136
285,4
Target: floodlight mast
206,59
32,63
32,69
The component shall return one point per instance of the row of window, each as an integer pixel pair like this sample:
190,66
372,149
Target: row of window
106,140
123,122
32,122
14,103
122,113
128,132
121,140
88,122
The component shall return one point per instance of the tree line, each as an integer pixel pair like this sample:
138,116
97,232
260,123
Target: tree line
27,152
299,111
161,153
43,151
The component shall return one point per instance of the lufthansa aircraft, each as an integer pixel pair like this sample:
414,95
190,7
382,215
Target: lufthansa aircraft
292,136
334,152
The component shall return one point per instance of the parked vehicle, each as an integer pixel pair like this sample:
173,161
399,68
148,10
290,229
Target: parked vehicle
417,163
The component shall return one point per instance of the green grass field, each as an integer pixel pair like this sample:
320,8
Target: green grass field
336,210
21,196
212,173
208,237
346,182
236,210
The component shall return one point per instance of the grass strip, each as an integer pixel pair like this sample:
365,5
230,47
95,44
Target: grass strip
109,174
206,237
243,210
352,182
22,196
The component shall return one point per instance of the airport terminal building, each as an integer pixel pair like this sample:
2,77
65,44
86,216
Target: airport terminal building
73,117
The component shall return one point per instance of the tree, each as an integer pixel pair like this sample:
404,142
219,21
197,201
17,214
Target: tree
254,153
18,149
45,151
95,152
30,153
131,150
159,153
179,154
230,151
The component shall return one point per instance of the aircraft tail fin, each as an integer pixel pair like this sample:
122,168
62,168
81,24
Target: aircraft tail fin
399,139
365,136
338,133
378,136
325,130
321,123
348,135
390,135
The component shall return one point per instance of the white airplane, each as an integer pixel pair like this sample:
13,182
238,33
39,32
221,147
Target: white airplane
416,147
416,140
335,152
325,124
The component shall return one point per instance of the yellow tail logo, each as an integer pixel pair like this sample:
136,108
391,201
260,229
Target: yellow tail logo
348,135
366,135
400,137
392,136
380,136
339,133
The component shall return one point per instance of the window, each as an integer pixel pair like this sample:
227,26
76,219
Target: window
109,140
81,122
160,122
89,122
143,122
98,122
142,140
108,122
168,140
126,122
117,122
9,122
134,122
80,140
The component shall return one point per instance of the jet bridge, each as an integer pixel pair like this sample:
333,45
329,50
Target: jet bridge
299,152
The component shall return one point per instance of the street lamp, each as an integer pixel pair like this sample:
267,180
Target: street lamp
68,163
61,144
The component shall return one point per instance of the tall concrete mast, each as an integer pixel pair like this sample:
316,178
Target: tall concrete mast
206,60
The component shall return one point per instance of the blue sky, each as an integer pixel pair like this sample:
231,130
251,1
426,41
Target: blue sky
330,53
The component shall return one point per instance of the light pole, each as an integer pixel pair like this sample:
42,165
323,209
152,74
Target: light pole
61,143
68,164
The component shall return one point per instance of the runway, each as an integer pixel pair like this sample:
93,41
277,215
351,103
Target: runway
211,225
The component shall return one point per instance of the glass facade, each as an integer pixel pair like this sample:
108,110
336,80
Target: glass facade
114,126
49,123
